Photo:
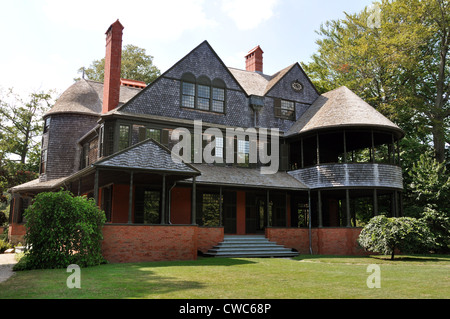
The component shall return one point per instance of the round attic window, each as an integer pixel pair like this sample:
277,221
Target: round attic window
297,86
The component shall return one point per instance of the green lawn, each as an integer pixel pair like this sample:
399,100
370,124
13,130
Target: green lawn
269,278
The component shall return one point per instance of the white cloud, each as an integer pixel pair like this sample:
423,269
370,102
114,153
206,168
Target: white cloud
248,14
150,19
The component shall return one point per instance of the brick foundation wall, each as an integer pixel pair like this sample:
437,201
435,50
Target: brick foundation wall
138,243
16,233
325,241
208,237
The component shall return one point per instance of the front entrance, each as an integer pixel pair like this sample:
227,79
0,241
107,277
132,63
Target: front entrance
255,213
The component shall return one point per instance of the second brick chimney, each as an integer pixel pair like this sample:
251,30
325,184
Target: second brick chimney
111,84
254,60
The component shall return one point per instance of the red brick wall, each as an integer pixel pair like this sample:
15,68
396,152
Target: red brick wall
296,238
16,233
208,237
325,241
130,243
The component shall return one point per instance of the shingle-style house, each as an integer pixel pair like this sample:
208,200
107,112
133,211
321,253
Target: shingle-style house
114,141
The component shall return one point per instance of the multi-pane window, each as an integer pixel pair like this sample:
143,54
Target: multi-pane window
124,136
153,133
218,100
188,95
203,99
43,161
243,150
151,207
46,124
285,109
209,210
219,147
202,94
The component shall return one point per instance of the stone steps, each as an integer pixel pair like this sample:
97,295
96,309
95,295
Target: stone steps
249,246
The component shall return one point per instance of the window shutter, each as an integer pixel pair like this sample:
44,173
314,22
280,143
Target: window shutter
165,138
277,107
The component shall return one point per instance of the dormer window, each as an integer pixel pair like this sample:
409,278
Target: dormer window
202,94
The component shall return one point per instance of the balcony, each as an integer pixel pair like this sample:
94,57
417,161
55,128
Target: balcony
348,175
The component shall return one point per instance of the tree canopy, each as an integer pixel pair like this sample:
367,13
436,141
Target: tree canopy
20,130
400,65
136,65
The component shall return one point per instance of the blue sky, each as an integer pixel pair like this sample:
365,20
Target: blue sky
44,42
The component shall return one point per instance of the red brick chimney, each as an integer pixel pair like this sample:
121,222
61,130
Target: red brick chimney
254,60
111,84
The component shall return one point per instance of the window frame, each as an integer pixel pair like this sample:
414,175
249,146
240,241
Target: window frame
119,139
279,109
200,94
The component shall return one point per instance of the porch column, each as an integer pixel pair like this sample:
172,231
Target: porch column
79,187
163,200
193,202
130,199
301,152
345,148
393,149
309,222
347,207
318,149
375,202
220,206
96,187
319,206
373,148
267,208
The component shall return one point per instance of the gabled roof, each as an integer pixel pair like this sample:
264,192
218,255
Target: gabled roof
257,83
341,108
85,97
147,155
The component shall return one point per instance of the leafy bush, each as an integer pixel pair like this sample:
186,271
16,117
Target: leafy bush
386,235
4,245
63,230
438,221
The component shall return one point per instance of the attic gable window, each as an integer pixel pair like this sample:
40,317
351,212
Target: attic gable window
203,94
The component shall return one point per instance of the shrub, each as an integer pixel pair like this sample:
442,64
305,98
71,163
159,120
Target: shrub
61,230
4,245
386,235
438,221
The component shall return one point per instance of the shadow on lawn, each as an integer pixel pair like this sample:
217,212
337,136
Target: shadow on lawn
142,280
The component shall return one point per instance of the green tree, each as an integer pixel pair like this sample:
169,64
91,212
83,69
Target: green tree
430,183
20,129
21,125
386,235
400,66
61,230
136,65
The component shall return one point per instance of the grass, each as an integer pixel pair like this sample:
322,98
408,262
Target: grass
324,277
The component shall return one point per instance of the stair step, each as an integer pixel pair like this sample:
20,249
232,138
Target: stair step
249,246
